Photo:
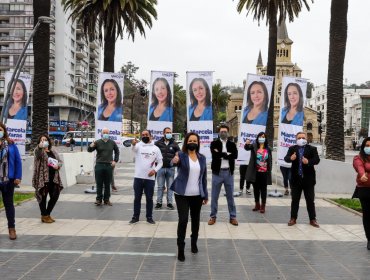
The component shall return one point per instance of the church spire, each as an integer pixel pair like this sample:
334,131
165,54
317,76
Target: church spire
282,34
259,60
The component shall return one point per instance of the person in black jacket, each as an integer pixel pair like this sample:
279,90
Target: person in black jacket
166,174
224,153
303,158
259,169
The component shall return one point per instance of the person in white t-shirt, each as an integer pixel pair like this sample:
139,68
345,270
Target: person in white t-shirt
148,160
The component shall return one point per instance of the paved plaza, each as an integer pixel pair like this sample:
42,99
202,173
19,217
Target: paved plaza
90,242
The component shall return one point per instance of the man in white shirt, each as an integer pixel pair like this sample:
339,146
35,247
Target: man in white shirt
148,160
224,153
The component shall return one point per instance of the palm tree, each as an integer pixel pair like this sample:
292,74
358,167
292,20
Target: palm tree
113,18
220,98
179,108
337,50
270,10
41,45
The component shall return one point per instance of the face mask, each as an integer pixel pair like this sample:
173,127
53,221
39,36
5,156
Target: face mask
367,150
301,142
223,135
168,136
45,144
105,136
145,139
1,134
261,140
192,146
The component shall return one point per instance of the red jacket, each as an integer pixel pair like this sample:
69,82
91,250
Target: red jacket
361,168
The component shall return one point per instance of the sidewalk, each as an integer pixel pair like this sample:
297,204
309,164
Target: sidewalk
89,242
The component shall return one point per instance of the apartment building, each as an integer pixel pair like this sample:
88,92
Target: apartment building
74,63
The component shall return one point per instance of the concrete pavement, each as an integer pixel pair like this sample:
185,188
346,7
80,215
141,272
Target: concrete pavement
90,242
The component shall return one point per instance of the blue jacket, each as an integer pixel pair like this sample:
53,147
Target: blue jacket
21,114
207,113
167,115
179,184
261,118
14,163
116,115
297,120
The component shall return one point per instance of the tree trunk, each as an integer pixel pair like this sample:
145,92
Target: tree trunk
109,50
271,69
337,50
41,47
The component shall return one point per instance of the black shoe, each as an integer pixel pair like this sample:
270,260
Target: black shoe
158,206
181,254
194,248
150,221
134,220
170,206
368,245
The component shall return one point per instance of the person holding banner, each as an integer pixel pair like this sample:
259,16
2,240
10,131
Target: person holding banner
224,154
259,169
110,108
190,187
303,158
10,175
293,113
17,104
256,109
200,98
46,178
161,108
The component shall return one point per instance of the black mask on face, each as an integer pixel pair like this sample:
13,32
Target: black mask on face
192,146
145,139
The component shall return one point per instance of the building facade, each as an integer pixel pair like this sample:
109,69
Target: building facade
73,68
284,67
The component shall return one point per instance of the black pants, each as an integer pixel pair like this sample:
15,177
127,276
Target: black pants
260,187
243,172
53,192
184,204
7,192
103,178
364,195
286,176
299,185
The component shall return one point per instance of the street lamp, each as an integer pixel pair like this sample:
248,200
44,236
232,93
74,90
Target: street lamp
143,93
19,66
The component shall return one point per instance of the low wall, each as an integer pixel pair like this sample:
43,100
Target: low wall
331,176
71,167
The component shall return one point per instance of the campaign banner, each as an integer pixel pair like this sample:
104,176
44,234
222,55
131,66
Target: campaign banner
16,109
291,117
253,118
109,108
160,108
199,112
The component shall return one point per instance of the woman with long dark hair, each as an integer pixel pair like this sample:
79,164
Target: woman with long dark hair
259,169
10,175
110,108
257,104
361,163
46,179
190,187
200,99
17,104
293,113
161,107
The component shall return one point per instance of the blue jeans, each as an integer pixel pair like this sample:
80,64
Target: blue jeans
227,179
7,192
165,177
147,186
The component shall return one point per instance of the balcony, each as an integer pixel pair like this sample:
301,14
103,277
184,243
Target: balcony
14,13
93,63
94,54
80,86
12,38
81,53
79,29
94,44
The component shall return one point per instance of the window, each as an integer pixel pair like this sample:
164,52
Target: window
318,108
322,107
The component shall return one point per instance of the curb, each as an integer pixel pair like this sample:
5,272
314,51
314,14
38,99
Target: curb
343,207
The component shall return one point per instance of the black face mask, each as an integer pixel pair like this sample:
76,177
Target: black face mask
145,139
192,146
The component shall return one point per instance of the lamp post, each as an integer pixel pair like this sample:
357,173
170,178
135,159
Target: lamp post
19,66
143,93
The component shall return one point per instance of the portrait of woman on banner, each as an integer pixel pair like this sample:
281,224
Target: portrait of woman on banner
200,108
256,109
161,108
292,113
17,103
110,108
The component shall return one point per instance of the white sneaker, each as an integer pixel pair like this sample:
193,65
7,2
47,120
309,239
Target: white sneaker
248,192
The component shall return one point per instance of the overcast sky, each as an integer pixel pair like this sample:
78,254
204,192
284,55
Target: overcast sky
197,35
